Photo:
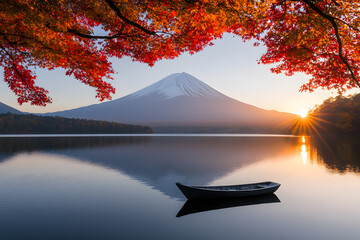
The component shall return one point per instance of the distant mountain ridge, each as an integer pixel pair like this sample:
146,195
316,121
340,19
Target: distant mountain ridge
181,100
7,109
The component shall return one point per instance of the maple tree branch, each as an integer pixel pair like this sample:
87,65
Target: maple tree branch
113,6
73,31
191,1
351,43
12,44
168,33
14,66
337,35
347,24
336,3
24,42
318,54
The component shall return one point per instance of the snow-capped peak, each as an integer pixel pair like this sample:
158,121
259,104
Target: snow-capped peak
179,84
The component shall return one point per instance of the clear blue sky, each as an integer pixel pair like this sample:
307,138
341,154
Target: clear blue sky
230,66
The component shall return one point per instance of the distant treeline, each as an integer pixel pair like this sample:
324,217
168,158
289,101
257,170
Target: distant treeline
33,124
339,115
15,144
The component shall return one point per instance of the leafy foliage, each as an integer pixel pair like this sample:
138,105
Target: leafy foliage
318,37
32,124
338,115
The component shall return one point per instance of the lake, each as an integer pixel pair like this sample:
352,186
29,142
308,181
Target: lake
123,187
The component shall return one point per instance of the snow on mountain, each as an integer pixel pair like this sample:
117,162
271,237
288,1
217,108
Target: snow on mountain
180,100
179,84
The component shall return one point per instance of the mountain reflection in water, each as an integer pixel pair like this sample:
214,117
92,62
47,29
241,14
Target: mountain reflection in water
124,188
160,161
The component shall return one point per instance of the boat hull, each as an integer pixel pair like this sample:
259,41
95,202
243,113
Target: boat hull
234,191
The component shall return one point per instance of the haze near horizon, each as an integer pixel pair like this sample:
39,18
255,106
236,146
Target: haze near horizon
230,66
182,100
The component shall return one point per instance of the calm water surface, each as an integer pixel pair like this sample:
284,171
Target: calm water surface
124,187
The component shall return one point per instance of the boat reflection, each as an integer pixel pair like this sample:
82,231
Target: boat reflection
204,205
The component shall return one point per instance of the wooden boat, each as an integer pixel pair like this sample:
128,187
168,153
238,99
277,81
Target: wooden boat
204,204
231,191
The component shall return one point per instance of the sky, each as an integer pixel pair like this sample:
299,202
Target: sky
230,66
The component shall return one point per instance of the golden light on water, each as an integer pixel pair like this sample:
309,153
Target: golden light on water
303,150
303,153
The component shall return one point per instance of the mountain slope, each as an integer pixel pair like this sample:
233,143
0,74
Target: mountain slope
7,109
180,100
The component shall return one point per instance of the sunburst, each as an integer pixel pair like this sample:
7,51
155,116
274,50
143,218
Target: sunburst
303,114
309,125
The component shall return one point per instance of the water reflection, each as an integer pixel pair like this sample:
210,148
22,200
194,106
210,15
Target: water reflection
22,144
337,153
303,153
124,188
162,161
47,196
204,205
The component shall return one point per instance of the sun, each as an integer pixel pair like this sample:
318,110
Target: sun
303,114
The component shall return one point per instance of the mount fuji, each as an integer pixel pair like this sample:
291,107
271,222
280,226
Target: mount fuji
181,101
7,109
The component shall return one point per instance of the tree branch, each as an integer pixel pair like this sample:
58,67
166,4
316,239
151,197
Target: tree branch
14,66
336,3
113,6
11,43
337,35
25,37
73,31
347,24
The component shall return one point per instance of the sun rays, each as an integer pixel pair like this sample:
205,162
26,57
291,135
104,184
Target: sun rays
310,125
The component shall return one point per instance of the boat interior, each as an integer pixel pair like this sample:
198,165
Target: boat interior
243,187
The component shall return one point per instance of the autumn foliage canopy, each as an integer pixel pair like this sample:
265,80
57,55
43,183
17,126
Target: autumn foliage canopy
318,37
